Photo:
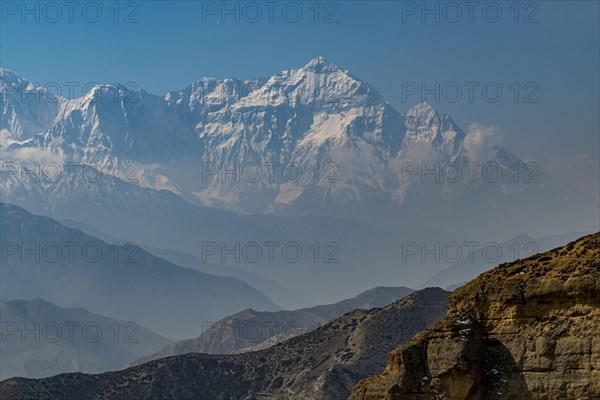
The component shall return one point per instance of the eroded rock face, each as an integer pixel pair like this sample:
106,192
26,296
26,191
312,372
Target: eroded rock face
524,330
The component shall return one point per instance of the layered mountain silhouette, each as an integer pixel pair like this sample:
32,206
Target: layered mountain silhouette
524,330
250,328
40,339
288,250
280,294
321,364
42,258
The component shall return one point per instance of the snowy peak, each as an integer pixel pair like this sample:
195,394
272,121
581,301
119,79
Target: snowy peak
14,86
9,77
210,94
316,115
424,125
318,85
129,94
27,108
321,65
422,110
16,89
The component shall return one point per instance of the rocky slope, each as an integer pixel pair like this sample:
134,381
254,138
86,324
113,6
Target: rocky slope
322,364
525,330
252,328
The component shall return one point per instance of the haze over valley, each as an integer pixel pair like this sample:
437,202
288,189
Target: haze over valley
299,200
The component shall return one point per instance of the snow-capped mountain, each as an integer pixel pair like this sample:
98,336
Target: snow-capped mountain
314,140
313,127
27,108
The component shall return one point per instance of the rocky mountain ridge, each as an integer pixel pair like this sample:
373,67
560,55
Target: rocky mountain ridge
250,328
320,365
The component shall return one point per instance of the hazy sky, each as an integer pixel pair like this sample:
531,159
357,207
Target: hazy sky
546,51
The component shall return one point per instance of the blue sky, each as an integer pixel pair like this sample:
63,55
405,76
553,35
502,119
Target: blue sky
549,48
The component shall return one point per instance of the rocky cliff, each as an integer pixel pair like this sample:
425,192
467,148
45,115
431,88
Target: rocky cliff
524,330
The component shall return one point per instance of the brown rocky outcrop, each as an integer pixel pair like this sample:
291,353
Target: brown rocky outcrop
525,330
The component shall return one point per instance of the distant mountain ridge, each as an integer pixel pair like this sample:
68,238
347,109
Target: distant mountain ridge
281,295
320,365
162,219
478,262
40,339
104,278
252,328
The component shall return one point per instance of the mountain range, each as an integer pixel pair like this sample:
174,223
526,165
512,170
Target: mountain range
523,330
322,364
250,328
315,140
291,251
42,258
280,294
